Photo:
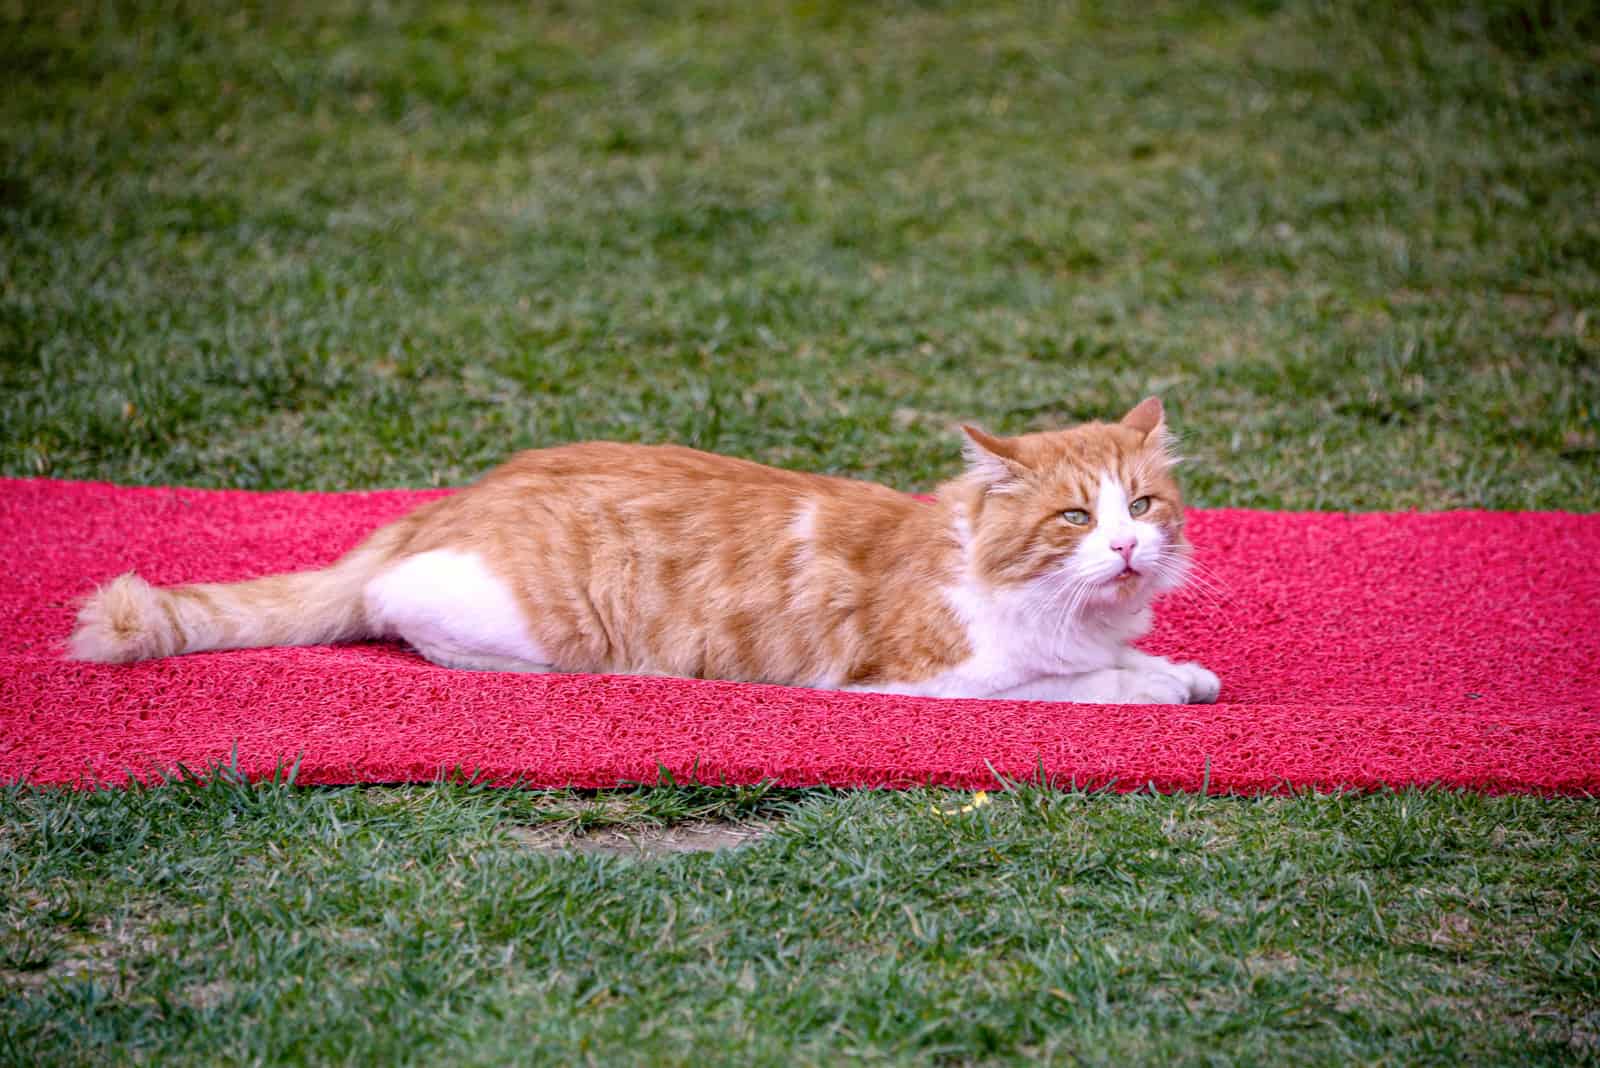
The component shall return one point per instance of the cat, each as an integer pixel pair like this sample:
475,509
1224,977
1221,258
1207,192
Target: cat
1026,577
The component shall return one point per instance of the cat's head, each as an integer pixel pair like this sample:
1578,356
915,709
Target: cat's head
1091,513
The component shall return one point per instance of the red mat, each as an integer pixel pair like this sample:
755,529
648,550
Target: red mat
1355,651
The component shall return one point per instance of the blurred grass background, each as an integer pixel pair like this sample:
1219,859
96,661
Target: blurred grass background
341,245
338,245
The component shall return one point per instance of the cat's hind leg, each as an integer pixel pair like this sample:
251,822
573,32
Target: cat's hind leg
455,611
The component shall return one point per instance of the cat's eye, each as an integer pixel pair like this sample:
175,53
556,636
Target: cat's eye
1076,516
1139,507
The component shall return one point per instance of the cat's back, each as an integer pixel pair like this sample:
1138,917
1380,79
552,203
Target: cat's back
639,492
665,558
623,467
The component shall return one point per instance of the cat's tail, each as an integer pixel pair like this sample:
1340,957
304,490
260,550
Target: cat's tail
128,619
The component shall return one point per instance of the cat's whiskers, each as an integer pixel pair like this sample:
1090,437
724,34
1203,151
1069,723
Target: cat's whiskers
1187,581
1052,602
1198,575
1058,602
1199,565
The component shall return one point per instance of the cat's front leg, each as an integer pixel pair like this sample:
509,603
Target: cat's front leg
1107,686
1201,685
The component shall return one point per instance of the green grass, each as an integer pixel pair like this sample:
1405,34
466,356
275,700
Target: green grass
1355,247
194,924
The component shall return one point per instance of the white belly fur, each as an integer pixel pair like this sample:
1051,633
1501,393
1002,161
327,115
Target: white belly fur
455,611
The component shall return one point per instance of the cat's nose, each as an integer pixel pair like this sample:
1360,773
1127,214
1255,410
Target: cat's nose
1125,546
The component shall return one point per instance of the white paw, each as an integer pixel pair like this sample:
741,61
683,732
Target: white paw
1202,684
1159,688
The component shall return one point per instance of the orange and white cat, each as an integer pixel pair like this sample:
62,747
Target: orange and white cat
1027,577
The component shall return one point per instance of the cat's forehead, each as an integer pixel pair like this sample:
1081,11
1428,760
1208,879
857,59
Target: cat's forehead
1086,453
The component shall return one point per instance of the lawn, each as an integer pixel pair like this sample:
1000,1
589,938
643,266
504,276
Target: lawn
1356,247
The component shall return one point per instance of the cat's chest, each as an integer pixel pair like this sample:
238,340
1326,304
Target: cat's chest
1013,641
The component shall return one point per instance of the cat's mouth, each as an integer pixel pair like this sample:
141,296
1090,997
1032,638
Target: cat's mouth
1128,575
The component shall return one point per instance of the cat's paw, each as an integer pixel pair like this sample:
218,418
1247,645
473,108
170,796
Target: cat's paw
1157,688
1201,684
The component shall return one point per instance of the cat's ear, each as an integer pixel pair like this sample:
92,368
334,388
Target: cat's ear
1149,419
994,460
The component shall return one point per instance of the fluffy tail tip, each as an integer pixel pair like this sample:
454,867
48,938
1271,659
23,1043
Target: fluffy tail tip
120,622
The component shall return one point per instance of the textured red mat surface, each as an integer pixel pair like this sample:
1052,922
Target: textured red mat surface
1355,651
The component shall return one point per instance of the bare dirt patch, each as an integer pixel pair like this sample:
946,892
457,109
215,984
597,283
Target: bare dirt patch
96,954
641,842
